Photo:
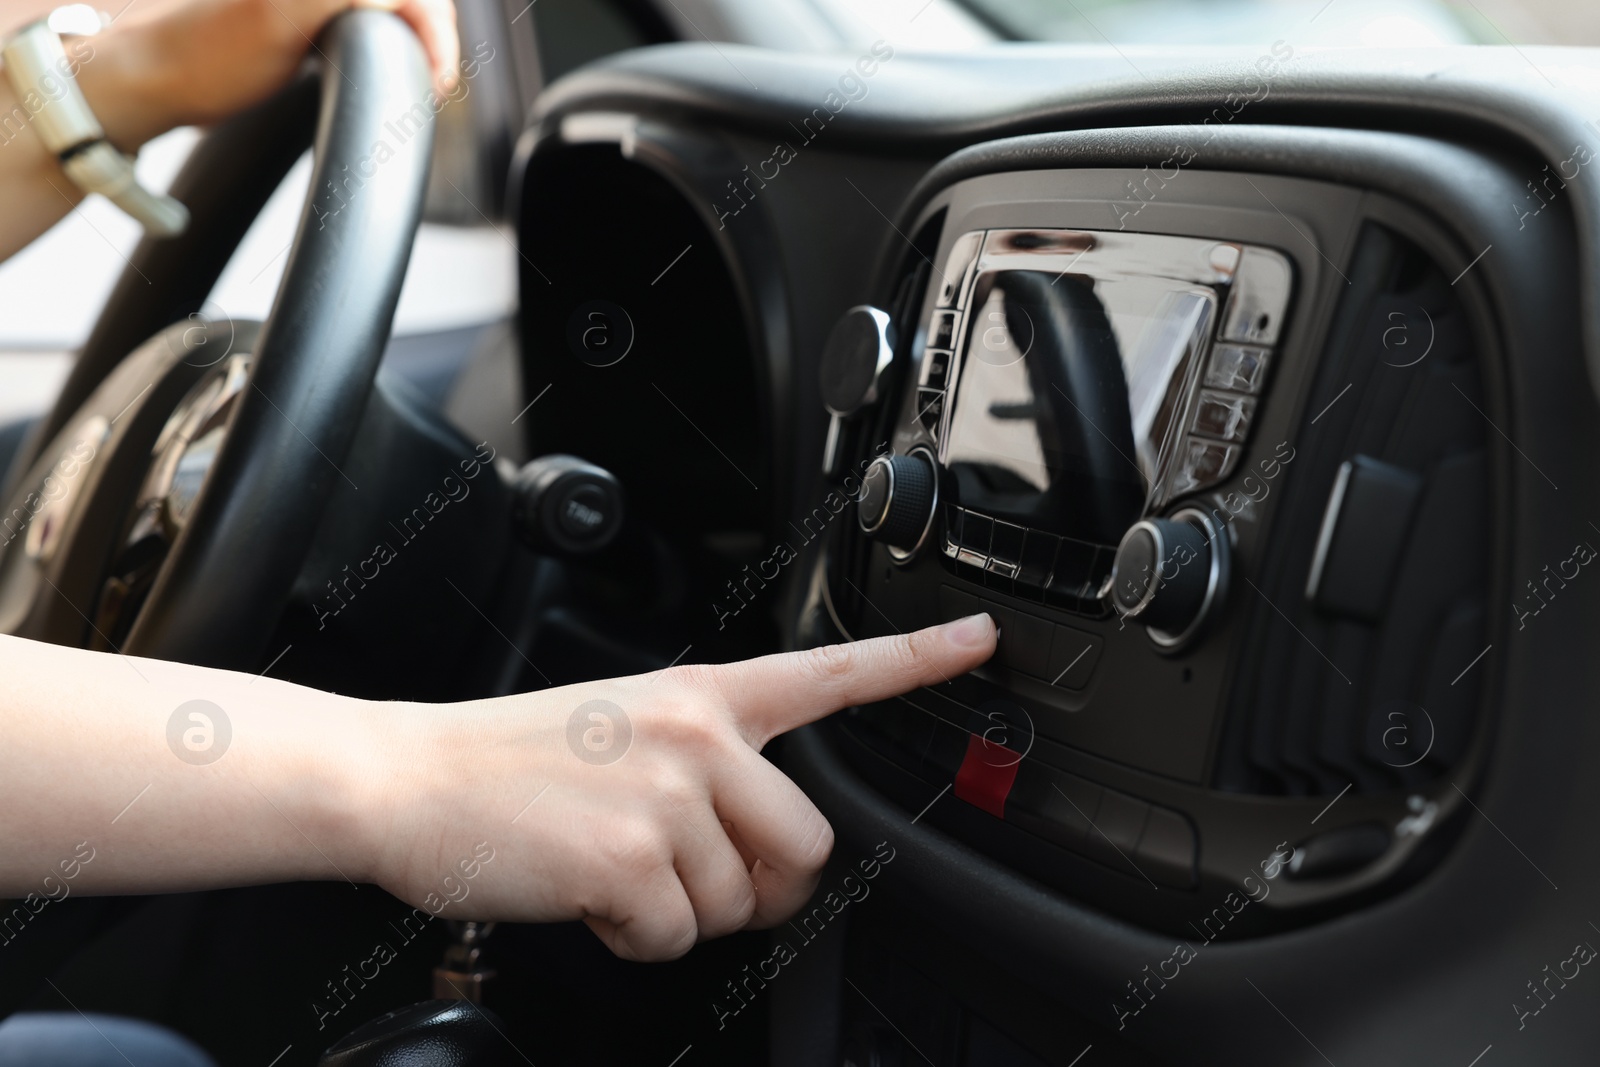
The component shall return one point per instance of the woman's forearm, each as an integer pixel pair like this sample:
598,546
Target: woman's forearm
640,805
173,777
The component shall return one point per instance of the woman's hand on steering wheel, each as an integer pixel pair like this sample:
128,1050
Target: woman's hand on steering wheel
168,63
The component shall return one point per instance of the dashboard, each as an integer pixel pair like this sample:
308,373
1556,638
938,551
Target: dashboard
1253,397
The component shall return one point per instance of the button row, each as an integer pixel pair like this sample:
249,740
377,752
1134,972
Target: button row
944,331
1058,655
1040,566
1235,372
1121,831
935,374
1223,412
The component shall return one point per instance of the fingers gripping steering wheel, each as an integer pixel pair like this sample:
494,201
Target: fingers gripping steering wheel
167,502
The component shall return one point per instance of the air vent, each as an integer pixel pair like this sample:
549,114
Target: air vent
1379,555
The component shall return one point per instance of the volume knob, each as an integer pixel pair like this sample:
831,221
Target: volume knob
1170,575
898,494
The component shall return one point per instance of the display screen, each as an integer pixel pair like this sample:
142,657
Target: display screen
1070,398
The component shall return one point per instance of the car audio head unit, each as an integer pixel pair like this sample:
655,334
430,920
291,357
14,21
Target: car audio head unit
1203,498
1072,383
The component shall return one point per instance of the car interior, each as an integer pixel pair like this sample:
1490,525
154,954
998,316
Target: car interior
1220,351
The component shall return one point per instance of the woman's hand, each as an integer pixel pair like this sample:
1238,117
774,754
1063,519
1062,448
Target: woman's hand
640,805
168,63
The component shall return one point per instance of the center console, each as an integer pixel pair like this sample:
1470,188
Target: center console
1205,449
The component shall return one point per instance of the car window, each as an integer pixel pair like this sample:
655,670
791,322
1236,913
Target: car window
1305,23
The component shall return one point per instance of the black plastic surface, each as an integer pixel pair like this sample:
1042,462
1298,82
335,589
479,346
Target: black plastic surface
1366,538
1529,100
1362,962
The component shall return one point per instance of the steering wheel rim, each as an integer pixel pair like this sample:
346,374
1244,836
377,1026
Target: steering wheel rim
222,586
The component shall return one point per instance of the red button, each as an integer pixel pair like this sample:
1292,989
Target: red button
986,775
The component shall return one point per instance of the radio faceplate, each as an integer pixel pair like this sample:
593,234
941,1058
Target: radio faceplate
1073,382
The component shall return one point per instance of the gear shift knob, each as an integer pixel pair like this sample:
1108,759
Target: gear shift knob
434,1033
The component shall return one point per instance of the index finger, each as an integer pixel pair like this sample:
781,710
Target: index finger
775,694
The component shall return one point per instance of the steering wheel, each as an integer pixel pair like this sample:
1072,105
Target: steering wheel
166,504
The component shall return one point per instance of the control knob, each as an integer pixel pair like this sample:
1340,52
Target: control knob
563,505
858,352
1169,574
898,496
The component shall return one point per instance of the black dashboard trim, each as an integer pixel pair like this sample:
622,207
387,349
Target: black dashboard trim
1543,791
1532,98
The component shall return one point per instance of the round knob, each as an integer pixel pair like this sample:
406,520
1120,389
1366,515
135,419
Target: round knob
1167,574
859,349
435,1031
897,500
564,505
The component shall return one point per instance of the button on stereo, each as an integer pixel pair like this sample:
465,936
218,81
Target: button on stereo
1027,563
1223,415
1203,463
1239,368
1058,655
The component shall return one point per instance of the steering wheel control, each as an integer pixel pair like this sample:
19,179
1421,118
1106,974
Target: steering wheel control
562,505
